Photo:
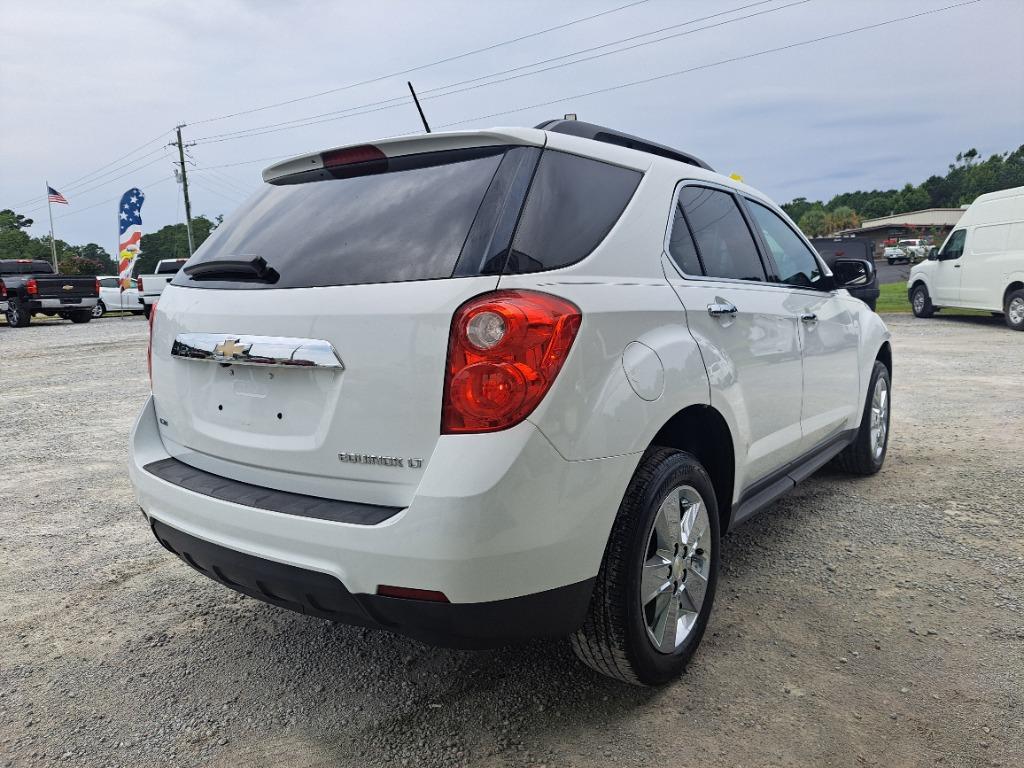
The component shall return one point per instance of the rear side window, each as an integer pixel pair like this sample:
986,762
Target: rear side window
724,242
572,204
681,246
408,223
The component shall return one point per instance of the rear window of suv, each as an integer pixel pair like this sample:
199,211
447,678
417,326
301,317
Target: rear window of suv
426,217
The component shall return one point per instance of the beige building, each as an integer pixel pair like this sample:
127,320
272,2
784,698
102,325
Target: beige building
930,223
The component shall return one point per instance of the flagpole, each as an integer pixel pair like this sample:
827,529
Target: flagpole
53,240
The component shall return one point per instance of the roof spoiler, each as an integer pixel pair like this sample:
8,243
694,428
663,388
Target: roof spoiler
611,136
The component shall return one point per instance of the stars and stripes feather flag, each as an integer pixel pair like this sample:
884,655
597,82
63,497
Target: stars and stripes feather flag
54,196
129,216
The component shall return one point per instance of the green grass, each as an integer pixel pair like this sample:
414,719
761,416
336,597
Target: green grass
893,298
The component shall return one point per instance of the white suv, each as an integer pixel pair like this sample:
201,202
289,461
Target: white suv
486,386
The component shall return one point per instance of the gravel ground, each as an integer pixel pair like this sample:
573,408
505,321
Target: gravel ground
860,622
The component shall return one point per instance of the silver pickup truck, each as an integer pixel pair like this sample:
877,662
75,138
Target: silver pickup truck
151,286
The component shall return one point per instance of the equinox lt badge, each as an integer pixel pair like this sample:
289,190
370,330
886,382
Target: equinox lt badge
382,461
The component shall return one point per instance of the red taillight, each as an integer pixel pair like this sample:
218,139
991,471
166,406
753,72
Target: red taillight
410,593
138,284
354,161
31,287
504,352
97,286
149,347
3,291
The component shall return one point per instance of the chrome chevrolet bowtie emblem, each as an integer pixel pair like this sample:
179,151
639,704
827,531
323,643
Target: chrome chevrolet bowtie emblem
229,349
68,287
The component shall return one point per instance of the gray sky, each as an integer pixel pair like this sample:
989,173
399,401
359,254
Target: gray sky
84,83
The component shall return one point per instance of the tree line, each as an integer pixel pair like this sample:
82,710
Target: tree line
168,242
968,176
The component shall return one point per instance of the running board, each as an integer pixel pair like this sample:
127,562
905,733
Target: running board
765,491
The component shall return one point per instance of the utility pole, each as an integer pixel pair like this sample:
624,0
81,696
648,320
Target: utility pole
184,189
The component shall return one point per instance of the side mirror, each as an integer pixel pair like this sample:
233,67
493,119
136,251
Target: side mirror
853,273
933,254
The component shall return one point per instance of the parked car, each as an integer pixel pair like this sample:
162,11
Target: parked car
151,286
487,386
896,255
981,263
916,249
113,299
32,287
834,249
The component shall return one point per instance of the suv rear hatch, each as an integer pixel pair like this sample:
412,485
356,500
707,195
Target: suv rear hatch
303,347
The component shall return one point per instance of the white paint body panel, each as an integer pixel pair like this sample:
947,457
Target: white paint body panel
510,513
993,257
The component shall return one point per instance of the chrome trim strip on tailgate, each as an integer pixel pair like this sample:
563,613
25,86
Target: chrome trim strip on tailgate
279,351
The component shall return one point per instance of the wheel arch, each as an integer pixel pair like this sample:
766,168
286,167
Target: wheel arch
1016,285
702,431
884,356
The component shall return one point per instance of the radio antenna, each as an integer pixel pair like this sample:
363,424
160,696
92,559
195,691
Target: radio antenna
419,109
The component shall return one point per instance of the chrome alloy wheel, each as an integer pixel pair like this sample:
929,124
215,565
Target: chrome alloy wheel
676,568
1016,310
97,310
879,417
919,300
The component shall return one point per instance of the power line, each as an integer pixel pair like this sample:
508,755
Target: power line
378,106
421,66
75,182
121,176
149,185
711,64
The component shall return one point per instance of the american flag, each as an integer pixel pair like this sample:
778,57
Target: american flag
54,196
129,217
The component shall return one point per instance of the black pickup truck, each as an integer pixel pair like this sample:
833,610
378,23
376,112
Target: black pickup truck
31,287
832,249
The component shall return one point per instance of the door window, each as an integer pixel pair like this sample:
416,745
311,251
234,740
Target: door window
796,264
954,247
108,282
725,246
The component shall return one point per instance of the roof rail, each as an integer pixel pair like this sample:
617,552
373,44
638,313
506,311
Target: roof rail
611,136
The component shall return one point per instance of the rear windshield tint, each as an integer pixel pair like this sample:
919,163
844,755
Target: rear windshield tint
169,267
386,227
428,216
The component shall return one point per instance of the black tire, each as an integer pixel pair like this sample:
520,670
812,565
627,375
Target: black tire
1014,310
891,261
614,637
99,310
17,317
82,316
920,302
861,457
146,309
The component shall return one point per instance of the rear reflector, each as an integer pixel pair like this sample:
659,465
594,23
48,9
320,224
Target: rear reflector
409,593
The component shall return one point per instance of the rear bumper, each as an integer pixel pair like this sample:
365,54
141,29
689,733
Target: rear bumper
60,304
510,532
457,625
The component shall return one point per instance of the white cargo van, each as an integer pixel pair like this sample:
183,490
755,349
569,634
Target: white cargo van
981,264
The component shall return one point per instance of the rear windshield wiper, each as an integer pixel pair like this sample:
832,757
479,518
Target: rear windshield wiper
255,268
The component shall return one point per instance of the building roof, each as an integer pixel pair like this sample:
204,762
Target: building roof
929,217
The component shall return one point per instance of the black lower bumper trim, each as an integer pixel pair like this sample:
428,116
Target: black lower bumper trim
198,481
552,613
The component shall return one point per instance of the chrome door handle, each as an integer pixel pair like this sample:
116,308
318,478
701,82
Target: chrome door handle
719,309
809,317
